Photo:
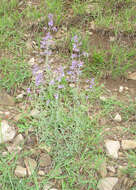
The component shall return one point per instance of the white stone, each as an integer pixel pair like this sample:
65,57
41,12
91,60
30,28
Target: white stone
103,98
128,144
103,169
31,62
107,183
20,171
112,38
112,148
7,133
15,149
20,96
18,139
41,173
7,113
132,76
118,118
72,85
47,186
111,169
4,153
126,88
121,88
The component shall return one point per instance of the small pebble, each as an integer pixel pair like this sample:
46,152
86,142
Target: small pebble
121,88
118,118
102,98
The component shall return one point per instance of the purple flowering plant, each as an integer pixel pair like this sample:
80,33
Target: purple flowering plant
77,64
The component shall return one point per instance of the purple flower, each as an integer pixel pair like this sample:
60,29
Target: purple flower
47,102
35,69
75,48
50,23
91,82
38,79
28,90
56,96
50,16
54,29
60,86
52,82
60,73
74,56
80,64
75,38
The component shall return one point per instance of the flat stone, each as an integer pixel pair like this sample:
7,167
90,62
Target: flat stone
118,118
128,144
19,139
132,76
45,160
111,169
6,99
44,147
20,96
20,171
103,98
103,169
30,165
31,62
112,38
47,186
121,88
107,183
112,148
7,133
14,149
41,173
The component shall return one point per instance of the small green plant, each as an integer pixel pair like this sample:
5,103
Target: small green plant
55,7
79,7
13,73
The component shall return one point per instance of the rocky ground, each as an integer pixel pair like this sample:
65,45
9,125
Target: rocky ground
115,145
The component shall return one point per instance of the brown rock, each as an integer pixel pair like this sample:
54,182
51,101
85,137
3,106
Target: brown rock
128,144
20,171
112,148
30,165
41,173
107,183
7,133
103,170
6,99
45,160
111,169
15,149
132,76
118,118
19,139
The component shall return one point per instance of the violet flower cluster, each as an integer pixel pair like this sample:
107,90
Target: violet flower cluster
76,67
47,41
57,80
38,75
91,83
